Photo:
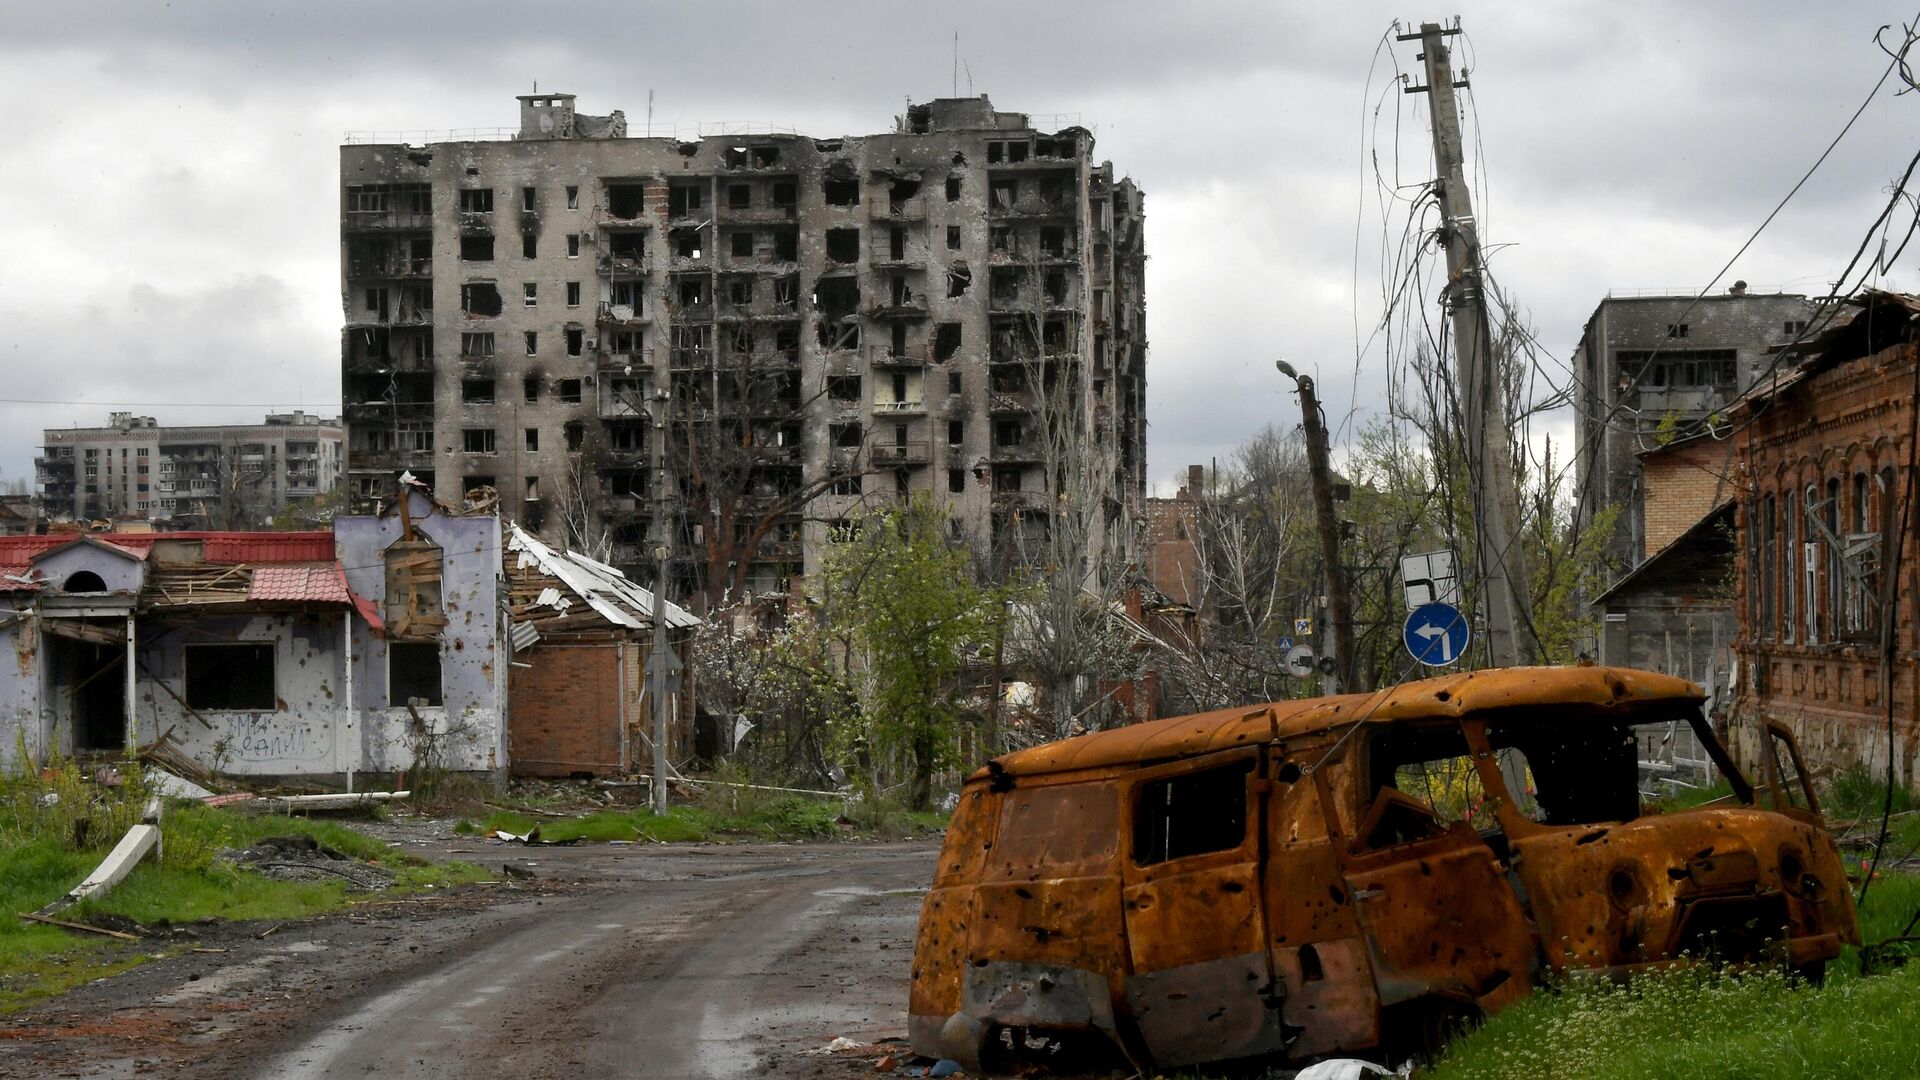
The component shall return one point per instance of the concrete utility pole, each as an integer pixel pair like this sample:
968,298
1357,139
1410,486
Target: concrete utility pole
1496,513
658,672
1320,472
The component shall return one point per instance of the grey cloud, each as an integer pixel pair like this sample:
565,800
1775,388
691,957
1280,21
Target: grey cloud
187,237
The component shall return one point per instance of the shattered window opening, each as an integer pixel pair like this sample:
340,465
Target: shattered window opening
843,245
236,676
413,673
476,247
1191,814
841,192
480,298
476,200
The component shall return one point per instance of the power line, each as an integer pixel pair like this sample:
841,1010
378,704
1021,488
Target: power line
179,404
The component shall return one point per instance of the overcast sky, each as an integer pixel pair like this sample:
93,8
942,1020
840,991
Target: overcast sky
171,210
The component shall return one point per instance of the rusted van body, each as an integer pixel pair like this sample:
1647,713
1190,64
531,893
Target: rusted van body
1352,874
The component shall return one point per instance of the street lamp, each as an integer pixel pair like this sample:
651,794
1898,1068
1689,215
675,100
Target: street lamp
1320,471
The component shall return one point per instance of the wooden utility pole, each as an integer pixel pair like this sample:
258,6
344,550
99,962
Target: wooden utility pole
1496,515
1320,473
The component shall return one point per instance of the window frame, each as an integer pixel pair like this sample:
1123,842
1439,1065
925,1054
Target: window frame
439,697
1246,762
193,695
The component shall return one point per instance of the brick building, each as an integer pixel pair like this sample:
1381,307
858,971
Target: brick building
1673,610
1173,559
1824,452
944,308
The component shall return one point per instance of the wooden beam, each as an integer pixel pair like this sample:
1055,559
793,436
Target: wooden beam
80,631
64,924
162,684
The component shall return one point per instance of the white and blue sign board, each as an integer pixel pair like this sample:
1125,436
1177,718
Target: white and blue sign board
1436,634
1285,643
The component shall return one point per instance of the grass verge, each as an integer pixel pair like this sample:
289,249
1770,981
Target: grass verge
185,883
1697,1023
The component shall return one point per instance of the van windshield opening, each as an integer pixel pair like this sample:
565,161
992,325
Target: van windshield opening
1569,772
1578,772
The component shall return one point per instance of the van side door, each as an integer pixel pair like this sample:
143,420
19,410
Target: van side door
1201,985
1442,922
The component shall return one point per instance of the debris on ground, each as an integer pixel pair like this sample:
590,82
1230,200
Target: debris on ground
840,1045
170,786
1341,1069
515,870
302,858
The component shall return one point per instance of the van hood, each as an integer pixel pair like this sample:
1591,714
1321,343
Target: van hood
1728,882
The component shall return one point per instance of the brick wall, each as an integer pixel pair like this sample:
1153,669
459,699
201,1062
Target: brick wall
1824,681
1682,484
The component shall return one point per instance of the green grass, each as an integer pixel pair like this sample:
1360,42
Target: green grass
1696,1022
183,884
1689,798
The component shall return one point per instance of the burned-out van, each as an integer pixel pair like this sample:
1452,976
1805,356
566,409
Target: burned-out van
1353,874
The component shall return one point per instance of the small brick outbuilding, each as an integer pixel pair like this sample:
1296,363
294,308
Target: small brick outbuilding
582,632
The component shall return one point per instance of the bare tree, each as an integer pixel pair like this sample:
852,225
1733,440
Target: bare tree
1069,541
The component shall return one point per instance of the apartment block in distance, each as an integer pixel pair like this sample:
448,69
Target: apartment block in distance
949,308
227,476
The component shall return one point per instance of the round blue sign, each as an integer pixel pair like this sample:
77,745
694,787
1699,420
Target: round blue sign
1436,634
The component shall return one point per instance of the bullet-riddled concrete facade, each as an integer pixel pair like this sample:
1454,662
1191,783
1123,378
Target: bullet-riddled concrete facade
863,317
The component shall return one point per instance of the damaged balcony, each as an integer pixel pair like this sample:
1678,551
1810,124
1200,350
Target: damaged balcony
387,206
1030,197
897,355
390,257
901,203
897,249
614,313
903,296
626,362
893,454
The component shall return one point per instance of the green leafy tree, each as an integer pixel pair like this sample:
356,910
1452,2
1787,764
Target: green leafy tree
906,594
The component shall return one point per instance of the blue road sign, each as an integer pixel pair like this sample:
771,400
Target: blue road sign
1285,643
1435,634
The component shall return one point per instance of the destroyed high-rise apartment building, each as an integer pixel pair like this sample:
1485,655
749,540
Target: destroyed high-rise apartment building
953,308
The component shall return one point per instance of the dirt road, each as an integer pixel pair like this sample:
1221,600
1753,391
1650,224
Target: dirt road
711,961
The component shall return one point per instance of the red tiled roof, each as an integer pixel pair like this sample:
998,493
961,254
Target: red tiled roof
18,552
264,547
321,583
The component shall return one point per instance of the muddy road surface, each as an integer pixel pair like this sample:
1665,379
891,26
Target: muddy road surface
647,961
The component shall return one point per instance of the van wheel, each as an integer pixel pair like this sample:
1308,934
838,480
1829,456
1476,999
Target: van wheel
1418,1031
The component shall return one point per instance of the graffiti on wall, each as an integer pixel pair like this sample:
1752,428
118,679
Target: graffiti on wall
261,738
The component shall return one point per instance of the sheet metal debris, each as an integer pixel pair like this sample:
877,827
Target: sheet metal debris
1346,875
